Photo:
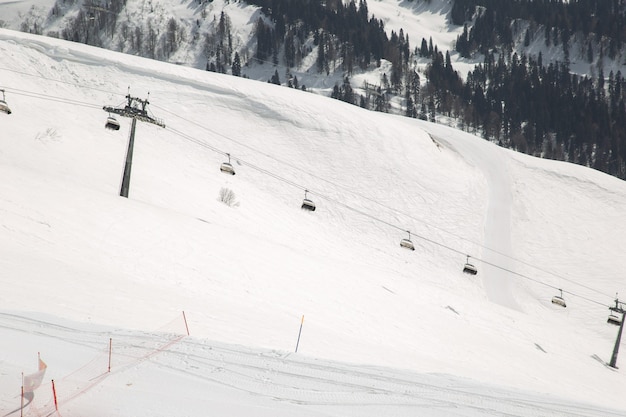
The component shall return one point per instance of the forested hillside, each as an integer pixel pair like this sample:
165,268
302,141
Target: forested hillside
540,106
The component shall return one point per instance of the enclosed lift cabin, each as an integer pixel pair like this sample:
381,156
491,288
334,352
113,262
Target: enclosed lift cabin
558,299
468,268
227,167
307,204
406,243
4,107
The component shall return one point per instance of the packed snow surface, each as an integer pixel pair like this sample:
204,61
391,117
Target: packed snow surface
379,330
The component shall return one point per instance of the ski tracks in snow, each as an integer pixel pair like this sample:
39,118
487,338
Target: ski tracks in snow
278,382
332,388
496,247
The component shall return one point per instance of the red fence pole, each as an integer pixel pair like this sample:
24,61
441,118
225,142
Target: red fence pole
54,394
22,400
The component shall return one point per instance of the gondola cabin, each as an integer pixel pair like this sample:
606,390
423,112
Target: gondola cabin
227,167
4,107
468,268
614,319
112,123
558,300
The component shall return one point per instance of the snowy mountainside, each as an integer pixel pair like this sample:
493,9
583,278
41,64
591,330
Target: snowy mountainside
72,249
418,19
195,21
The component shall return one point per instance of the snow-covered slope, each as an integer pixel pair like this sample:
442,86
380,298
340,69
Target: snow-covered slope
81,265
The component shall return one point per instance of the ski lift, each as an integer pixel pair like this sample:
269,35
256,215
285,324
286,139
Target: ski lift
406,243
469,268
614,319
4,107
227,167
307,204
112,123
558,299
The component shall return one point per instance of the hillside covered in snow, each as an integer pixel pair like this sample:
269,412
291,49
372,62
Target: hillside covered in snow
542,78
380,330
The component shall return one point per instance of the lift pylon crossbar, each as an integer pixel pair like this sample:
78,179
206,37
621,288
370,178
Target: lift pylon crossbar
136,109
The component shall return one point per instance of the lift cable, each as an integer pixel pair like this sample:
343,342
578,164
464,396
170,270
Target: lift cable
204,144
48,97
340,186
386,207
379,220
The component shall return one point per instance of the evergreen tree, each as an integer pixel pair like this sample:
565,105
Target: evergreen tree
236,67
462,43
348,93
423,112
424,48
380,102
275,79
411,111
432,111
218,61
321,61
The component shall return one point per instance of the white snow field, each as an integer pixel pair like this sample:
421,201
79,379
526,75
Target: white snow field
386,331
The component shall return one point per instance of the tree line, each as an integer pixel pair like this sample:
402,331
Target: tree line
492,22
540,110
512,99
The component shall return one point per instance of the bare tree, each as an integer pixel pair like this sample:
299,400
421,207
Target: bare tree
227,196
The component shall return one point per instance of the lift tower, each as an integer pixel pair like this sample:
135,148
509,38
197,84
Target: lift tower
617,309
135,108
